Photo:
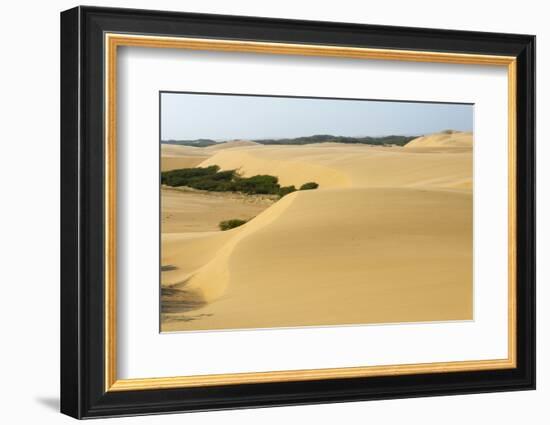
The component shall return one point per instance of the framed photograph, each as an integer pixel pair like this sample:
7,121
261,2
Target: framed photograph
261,212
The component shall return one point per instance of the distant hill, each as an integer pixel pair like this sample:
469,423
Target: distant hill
318,138
231,144
198,143
324,138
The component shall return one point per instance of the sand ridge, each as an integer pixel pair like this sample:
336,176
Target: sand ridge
448,139
341,165
231,144
174,157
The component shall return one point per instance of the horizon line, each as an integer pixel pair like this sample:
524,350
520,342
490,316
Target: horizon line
312,135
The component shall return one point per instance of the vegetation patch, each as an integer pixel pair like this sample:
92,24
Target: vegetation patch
231,224
327,138
198,143
285,190
212,179
309,186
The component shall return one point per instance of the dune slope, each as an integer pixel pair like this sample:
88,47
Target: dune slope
173,157
350,165
231,144
358,261
449,139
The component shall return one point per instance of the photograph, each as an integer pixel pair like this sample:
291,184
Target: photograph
282,212
287,210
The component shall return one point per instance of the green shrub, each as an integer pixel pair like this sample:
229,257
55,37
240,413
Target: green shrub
309,186
185,176
212,179
261,184
285,190
231,224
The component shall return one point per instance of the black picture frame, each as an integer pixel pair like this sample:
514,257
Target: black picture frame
83,392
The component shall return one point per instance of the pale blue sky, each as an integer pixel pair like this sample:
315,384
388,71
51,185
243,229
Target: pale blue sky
187,116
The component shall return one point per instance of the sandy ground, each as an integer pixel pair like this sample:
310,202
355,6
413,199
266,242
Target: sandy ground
197,211
386,238
174,157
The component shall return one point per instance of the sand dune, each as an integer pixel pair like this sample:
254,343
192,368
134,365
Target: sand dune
386,238
185,253
179,156
174,157
350,165
450,139
232,144
333,257
196,211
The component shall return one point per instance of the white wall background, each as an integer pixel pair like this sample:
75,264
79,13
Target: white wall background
29,223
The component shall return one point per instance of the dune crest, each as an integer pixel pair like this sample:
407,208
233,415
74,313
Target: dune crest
211,279
449,139
174,157
348,165
231,144
290,168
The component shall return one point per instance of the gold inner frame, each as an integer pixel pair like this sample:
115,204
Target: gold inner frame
113,41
